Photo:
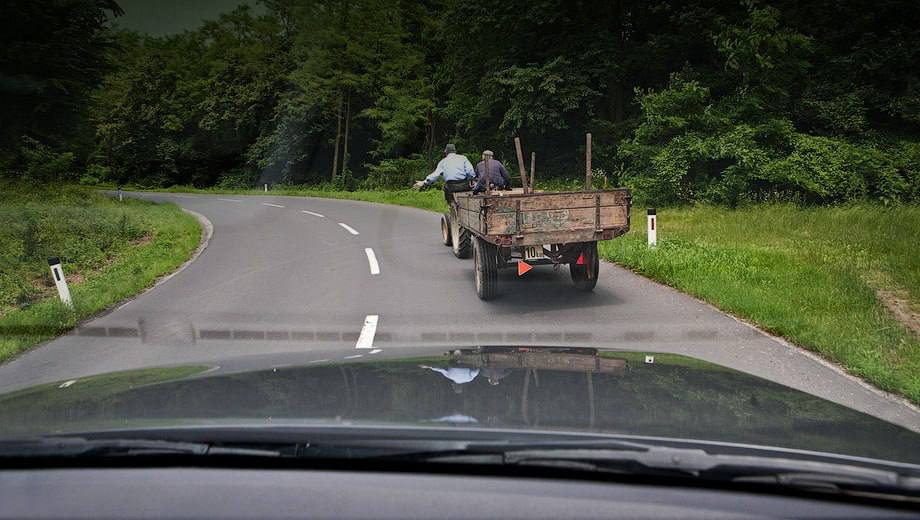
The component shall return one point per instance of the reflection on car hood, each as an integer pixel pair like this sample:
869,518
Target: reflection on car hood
547,389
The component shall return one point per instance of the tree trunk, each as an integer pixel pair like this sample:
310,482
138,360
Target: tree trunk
431,137
345,140
338,136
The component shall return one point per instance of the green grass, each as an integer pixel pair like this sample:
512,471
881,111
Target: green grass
807,274
109,251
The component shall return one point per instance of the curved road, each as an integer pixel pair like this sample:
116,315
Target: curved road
303,279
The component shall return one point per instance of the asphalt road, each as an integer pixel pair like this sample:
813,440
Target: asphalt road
293,278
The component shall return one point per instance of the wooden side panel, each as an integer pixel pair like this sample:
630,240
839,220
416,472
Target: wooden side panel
469,211
557,220
542,201
545,216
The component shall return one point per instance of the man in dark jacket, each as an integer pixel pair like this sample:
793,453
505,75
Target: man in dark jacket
498,175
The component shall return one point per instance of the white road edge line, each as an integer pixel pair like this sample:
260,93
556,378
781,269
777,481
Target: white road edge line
320,215
67,383
375,351
372,260
366,338
272,205
230,200
348,228
356,356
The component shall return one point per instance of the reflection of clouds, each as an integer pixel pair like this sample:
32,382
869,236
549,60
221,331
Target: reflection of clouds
458,375
456,418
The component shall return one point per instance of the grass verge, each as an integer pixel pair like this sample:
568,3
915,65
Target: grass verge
811,275
109,251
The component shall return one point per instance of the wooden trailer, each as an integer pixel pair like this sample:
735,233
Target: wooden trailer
522,228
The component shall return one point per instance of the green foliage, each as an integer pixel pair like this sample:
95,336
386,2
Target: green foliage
52,54
743,144
239,178
540,97
40,164
95,175
721,101
395,173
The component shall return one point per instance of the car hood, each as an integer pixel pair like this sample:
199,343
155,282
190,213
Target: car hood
531,389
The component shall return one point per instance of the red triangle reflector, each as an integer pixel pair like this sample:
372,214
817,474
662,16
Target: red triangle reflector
523,267
581,259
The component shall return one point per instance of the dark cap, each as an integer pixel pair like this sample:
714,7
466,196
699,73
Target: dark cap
450,148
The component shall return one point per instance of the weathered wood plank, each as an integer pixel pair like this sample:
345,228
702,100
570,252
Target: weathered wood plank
537,201
544,218
556,220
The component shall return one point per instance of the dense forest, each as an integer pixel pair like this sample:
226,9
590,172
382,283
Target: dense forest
688,101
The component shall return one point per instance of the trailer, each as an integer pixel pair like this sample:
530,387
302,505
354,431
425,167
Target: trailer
523,228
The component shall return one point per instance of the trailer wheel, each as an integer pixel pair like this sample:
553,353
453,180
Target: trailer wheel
445,230
585,276
485,257
460,240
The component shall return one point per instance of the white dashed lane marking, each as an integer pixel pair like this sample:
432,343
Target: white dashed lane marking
348,228
353,357
272,205
368,331
320,215
372,260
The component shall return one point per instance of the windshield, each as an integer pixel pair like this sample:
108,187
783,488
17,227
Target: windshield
675,221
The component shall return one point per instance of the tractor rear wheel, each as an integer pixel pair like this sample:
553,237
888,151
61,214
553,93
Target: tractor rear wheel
585,275
485,257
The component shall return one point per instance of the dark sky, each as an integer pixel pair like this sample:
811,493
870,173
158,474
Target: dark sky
159,17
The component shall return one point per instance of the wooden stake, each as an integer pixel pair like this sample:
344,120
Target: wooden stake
533,161
520,158
588,161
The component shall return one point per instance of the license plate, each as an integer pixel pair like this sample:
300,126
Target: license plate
533,253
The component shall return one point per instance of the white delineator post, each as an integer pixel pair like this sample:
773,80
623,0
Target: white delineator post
652,228
266,187
58,274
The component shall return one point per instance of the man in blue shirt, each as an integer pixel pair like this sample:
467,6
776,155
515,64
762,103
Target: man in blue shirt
498,175
456,170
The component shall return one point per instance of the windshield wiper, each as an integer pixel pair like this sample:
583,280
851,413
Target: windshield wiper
596,455
82,447
634,458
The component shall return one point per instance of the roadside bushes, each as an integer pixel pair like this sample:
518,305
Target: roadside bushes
239,178
34,161
830,170
693,148
395,173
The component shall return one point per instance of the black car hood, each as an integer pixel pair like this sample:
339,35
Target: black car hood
545,389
